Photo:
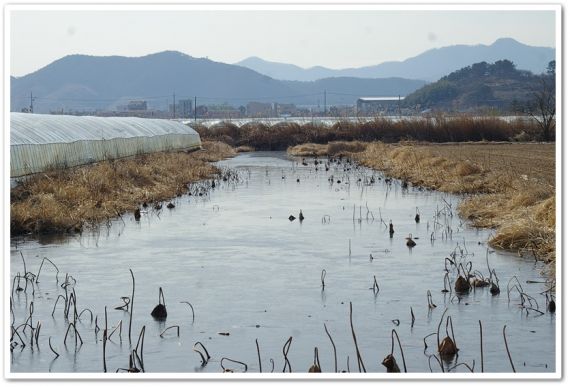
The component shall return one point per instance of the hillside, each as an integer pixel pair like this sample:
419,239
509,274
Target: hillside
429,65
81,82
481,85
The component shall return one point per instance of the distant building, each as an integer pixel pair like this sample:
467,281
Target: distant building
259,109
377,105
183,108
137,105
202,111
149,113
285,109
222,111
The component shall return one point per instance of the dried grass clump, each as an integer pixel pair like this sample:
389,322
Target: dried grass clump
213,151
333,148
67,200
527,235
244,149
343,147
506,190
464,168
437,161
528,196
308,150
545,212
421,167
483,210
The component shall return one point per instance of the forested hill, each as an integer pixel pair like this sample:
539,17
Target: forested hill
481,85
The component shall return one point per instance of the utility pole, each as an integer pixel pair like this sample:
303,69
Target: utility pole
325,102
195,108
173,105
399,108
31,103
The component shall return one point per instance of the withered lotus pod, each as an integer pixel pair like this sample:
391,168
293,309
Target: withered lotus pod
462,285
390,363
159,311
551,306
314,369
447,347
495,289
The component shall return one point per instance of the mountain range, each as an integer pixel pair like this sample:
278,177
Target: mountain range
81,82
429,65
86,83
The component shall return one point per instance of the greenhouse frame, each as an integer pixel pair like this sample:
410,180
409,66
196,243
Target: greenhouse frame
40,142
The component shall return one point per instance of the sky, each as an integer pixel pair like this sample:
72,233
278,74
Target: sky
331,38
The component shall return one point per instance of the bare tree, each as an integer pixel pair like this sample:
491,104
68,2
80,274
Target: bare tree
542,105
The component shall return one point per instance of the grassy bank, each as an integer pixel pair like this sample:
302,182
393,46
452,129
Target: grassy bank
510,187
331,149
68,200
434,129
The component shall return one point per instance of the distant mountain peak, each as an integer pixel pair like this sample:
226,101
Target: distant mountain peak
429,65
170,53
252,59
508,41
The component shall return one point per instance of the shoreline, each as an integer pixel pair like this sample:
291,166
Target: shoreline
70,200
520,207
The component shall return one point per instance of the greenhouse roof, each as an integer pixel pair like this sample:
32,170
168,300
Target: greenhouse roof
26,128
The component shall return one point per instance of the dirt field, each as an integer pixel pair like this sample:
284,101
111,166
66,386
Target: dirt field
536,161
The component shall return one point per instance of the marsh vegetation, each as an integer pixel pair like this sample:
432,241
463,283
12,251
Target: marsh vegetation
247,290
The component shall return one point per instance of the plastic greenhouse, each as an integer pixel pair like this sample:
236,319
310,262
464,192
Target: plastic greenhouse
40,141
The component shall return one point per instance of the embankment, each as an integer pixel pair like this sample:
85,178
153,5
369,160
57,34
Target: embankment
67,200
509,187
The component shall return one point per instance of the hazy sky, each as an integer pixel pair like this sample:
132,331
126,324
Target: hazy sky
335,39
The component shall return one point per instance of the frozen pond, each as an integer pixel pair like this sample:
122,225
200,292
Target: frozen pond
250,272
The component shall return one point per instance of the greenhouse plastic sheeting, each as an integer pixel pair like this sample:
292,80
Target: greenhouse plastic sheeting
39,141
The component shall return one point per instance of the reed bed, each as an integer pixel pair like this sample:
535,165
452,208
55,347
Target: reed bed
516,197
280,136
244,149
335,148
510,187
68,200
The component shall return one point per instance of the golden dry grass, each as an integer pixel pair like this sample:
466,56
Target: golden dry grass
333,148
511,186
308,150
534,160
244,148
67,200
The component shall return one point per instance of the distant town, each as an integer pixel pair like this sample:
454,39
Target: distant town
188,109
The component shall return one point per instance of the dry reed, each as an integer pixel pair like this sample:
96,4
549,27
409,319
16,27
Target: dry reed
521,206
334,148
70,199
282,135
244,148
